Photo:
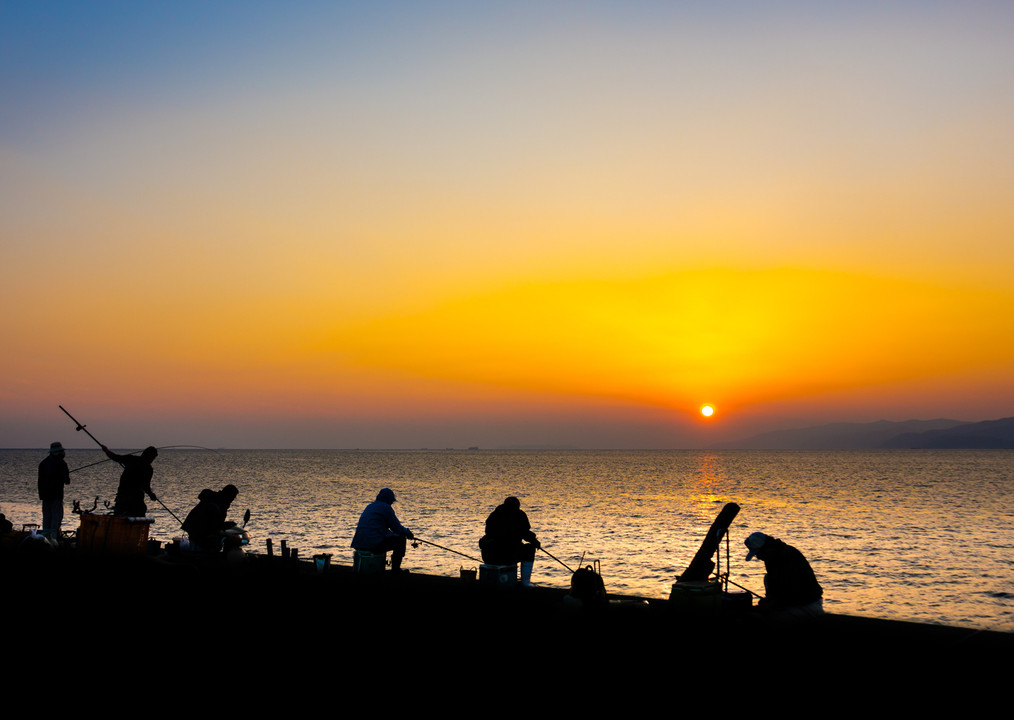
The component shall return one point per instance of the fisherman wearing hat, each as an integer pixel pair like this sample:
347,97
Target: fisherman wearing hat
378,530
53,475
790,586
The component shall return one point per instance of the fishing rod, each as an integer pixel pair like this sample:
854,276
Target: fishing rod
557,559
82,427
97,462
169,511
732,582
419,540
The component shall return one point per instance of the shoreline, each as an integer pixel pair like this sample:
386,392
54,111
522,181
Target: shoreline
266,592
138,624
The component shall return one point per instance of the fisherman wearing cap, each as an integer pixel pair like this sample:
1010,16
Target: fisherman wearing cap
509,539
206,523
135,482
53,475
378,530
790,586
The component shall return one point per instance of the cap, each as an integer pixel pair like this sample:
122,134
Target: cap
755,542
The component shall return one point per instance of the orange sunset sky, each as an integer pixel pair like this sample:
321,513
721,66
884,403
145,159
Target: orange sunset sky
443,224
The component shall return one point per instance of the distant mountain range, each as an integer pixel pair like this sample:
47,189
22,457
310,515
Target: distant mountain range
924,434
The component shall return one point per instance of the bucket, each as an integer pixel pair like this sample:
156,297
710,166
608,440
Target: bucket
468,574
322,562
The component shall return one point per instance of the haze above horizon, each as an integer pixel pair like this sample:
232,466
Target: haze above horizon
440,224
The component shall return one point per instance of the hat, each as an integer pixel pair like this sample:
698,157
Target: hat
55,447
755,542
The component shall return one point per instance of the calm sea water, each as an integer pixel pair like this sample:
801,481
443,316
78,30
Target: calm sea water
916,535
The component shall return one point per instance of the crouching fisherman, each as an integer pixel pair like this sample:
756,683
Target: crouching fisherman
378,530
790,587
509,539
206,524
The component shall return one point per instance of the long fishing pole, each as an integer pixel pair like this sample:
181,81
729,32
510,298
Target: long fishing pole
416,539
82,427
97,462
557,559
732,582
79,425
168,510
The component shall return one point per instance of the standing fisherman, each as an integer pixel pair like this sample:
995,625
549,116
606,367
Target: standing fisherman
53,475
135,481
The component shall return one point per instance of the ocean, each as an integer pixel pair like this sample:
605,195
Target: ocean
899,534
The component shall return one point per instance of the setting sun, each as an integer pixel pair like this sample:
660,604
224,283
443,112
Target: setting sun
443,228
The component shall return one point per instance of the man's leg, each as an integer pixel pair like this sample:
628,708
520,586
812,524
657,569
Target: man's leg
397,547
527,563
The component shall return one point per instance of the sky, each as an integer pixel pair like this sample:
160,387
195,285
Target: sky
453,224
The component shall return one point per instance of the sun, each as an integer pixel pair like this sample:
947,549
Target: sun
707,411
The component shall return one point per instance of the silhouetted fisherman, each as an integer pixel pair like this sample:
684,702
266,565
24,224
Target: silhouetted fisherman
378,529
509,539
53,475
790,587
135,482
206,523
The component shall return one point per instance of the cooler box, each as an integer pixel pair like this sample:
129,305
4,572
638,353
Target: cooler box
696,596
113,534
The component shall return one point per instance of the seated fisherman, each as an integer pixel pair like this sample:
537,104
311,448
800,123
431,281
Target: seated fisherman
790,586
378,530
509,539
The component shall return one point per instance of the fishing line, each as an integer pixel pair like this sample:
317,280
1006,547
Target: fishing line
134,452
198,447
